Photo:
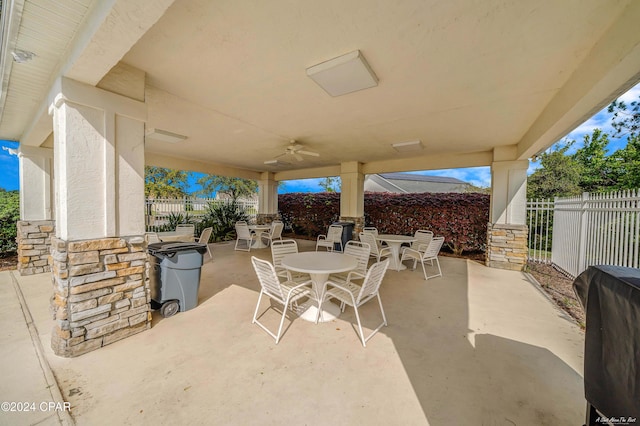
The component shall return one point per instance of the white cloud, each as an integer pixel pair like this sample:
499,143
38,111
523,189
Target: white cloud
631,95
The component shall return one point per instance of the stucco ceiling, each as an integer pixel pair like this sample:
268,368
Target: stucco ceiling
464,77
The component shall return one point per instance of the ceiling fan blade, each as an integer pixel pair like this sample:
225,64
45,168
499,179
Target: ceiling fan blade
313,154
281,155
298,157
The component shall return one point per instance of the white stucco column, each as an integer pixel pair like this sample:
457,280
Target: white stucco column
99,162
36,172
509,192
507,230
352,194
267,194
351,189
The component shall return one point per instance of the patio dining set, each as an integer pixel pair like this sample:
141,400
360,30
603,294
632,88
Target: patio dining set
308,283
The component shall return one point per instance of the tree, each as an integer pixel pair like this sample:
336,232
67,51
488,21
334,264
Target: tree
232,186
330,184
626,165
596,168
558,176
626,119
161,182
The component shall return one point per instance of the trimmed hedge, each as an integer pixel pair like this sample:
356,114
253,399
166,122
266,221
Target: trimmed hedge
460,218
309,214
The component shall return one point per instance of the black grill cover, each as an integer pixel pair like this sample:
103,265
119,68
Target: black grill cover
610,296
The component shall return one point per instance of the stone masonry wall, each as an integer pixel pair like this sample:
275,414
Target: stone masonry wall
507,246
34,242
100,293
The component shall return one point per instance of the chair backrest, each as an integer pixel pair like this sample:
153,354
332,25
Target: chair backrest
242,229
205,236
370,240
434,248
152,237
276,229
267,276
281,248
334,233
370,230
360,251
423,238
185,228
373,279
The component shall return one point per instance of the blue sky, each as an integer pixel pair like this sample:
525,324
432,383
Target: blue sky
479,176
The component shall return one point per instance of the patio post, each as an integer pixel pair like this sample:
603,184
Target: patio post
267,198
35,226
100,279
352,194
507,232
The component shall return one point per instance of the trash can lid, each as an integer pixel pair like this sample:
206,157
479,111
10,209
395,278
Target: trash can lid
172,247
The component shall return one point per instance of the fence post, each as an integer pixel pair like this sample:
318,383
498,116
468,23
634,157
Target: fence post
582,238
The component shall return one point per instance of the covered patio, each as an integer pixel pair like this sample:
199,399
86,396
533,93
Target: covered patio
476,346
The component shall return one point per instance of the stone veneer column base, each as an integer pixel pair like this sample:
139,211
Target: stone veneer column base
100,293
507,246
357,229
34,242
266,219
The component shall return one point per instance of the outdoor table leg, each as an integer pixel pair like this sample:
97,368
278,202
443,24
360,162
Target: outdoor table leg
330,311
395,256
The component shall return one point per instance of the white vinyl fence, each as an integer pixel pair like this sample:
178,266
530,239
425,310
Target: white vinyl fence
159,210
593,229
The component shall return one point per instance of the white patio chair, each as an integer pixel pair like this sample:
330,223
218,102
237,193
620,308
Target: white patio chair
376,251
186,228
360,251
373,230
370,230
204,239
286,293
244,234
152,237
354,295
334,236
279,249
423,238
275,233
429,255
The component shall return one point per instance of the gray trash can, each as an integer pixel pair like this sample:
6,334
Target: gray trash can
347,232
174,275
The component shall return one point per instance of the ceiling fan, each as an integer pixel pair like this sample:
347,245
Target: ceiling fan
295,150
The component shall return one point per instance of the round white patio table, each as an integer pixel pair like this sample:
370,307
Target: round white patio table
394,242
173,236
319,265
258,229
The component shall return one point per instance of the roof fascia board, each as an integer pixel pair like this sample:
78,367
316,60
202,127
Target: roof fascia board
430,162
170,162
10,23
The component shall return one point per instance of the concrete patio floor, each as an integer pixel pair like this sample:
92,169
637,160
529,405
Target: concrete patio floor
477,346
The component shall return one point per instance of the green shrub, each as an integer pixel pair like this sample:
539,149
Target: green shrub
9,215
176,219
222,217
